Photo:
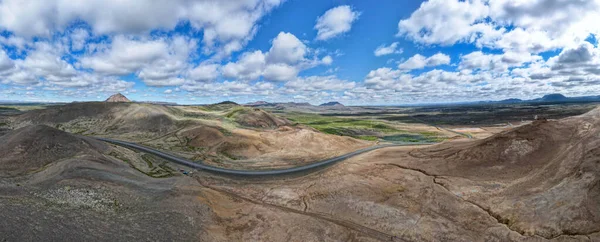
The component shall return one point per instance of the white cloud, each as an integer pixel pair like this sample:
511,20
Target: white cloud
173,81
126,55
384,78
21,78
327,60
6,63
280,72
78,39
438,59
284,60
318,83
512,25
249,66
226,24
14,41
204,72
45,61
335,21
445,21
478,60
112,86
158,62
387,50
419,61
286,49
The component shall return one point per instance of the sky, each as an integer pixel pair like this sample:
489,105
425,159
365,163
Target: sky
384,52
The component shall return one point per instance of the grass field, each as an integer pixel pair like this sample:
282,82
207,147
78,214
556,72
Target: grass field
360,128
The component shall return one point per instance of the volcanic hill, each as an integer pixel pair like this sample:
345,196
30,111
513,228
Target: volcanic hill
118,98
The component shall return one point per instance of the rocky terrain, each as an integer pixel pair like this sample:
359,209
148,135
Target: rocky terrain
536,182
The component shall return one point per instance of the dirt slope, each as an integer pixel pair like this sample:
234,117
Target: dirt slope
541,179
33,147
258,118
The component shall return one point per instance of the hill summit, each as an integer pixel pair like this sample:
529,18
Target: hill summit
335,104
554,97
118,98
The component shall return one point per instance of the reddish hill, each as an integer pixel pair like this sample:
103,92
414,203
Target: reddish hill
118,98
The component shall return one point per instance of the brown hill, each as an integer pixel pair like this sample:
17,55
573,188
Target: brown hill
539,179
285,146
30,148
118,98
103,118
257,118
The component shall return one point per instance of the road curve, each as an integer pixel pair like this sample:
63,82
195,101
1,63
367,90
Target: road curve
225,171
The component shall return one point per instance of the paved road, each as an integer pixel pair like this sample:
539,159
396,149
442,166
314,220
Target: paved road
226,171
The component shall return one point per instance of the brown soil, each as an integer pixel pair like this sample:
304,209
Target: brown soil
260,119
33,147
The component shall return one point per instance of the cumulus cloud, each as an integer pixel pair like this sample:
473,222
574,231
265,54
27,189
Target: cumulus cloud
158,62
6,63
226,24
327,60
384,78
318,83
335,21
445,21
204,72
478,60
248,67
418,61
577,62
284,60
512,25
286,49
280,72
14,41
387,50
78,39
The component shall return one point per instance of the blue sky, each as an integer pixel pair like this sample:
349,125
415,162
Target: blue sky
355,52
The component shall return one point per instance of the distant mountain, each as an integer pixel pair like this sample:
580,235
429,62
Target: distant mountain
511,100
554,97
332,104
258,103
159,103
549,98
118,98
296,104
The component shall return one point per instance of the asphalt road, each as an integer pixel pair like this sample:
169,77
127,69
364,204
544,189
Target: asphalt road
225,171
